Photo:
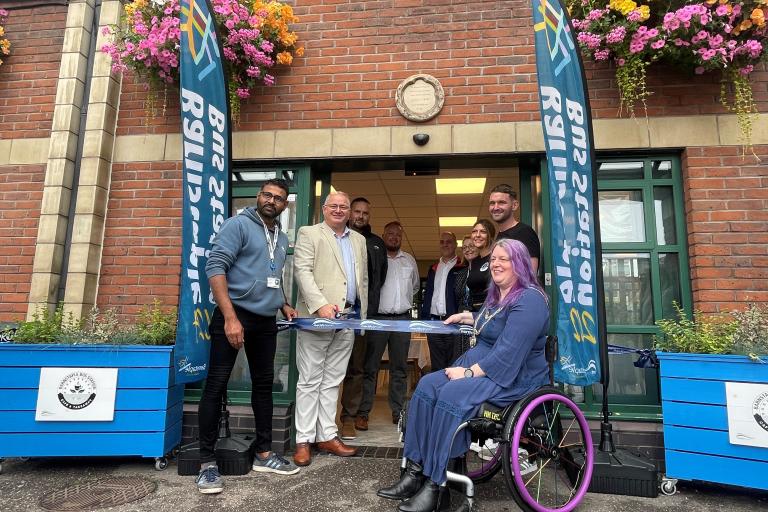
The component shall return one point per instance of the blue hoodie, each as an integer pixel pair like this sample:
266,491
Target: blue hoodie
240,252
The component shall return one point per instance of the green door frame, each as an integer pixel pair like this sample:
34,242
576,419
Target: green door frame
301,186
630,408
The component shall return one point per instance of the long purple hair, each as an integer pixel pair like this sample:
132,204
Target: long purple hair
520,259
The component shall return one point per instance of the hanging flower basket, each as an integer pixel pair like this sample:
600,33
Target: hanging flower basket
255,37
5,44
722,36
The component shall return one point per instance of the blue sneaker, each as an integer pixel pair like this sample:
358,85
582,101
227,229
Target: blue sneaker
274,464
209,480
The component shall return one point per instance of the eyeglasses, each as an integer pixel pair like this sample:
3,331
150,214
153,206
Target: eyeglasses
270,196
339,207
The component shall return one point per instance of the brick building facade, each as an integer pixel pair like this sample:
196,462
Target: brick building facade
90,199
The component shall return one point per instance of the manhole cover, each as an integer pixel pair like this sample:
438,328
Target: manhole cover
102,493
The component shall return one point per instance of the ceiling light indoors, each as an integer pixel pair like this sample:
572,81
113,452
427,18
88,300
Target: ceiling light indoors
457,222
459,185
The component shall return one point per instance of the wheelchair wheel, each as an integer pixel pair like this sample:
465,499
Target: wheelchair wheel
545,430
482,466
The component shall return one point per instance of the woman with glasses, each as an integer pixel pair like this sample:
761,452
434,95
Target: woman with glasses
507,363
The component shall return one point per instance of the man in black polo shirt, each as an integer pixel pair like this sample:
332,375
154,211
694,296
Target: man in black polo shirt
502,205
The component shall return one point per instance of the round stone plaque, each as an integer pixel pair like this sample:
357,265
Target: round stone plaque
420,97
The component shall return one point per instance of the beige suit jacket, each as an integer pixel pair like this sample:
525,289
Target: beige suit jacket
318,268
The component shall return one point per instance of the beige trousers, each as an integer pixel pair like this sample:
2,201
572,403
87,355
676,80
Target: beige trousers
321,358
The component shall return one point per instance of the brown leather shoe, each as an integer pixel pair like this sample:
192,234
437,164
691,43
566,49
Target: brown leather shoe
303,455
348,429
361,423
336,447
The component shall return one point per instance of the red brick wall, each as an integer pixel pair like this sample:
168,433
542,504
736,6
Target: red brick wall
28,76
27,93
726,203
142,240
357,53
21,192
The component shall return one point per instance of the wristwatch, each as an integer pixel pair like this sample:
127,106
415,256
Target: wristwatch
468,373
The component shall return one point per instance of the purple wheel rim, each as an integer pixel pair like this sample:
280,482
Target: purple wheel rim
487,465
583,485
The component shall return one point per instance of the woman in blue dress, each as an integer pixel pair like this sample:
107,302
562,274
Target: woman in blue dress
506,363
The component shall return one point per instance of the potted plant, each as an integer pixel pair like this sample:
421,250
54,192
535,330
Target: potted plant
255,37
714,392
5,44
729,37
90,387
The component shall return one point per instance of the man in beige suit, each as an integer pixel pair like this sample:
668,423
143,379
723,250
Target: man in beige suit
330,268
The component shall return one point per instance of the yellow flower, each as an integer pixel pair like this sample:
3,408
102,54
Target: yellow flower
623,6
2,31
645,12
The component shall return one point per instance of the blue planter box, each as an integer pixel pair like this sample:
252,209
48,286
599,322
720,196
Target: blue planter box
696,442
148,403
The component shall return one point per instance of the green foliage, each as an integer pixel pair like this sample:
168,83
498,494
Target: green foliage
46,326
737,332
155,326
752,334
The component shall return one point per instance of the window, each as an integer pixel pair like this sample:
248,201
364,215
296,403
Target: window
645,270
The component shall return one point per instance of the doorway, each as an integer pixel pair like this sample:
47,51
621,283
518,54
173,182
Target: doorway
426,205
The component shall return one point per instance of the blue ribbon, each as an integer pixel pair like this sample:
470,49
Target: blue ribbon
647,357
422,326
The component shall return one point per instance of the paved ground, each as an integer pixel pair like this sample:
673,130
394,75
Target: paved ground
329,484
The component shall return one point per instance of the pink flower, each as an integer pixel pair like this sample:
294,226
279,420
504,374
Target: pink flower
616,35
658,44
746,69
602,54
721,10
243,93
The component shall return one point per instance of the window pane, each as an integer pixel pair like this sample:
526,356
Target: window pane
620,171
241,376
287,218
625,378
621,216
628,294
664,210
661,169
669,270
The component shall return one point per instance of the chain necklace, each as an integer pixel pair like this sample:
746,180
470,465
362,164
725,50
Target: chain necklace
486,315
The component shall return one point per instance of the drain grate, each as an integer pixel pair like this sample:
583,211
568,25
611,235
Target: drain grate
380,452
99,494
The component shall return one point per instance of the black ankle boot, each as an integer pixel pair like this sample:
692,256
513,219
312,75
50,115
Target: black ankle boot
408,485
430,498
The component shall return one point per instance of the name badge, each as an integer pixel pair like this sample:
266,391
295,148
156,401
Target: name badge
273,282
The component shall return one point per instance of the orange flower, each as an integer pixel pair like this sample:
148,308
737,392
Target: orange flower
284,58
758,17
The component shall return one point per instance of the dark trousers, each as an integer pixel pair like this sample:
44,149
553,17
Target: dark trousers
443,350
260,343
352,391
397,344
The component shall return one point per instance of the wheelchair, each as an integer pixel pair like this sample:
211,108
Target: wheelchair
541,443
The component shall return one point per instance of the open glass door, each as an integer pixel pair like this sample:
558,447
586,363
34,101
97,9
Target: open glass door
246,184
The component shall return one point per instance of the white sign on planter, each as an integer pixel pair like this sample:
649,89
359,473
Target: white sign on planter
747,413
76,394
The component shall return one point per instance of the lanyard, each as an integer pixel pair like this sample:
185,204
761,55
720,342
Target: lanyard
271,242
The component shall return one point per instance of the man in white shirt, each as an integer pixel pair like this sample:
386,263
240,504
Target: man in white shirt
395,303
440,302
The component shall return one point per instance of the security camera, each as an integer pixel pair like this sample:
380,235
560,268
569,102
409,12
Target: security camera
420,139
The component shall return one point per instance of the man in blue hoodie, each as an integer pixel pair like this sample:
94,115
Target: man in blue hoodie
245,270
